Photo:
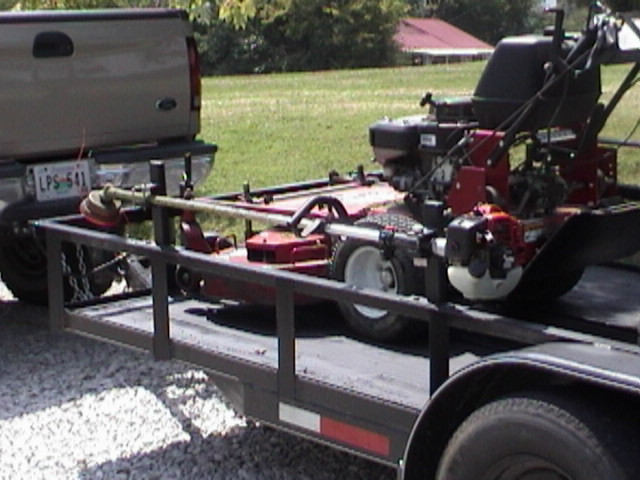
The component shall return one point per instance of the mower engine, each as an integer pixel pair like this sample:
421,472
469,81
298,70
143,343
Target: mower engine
509,165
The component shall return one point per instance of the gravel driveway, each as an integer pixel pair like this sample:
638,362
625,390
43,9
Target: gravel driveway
74,408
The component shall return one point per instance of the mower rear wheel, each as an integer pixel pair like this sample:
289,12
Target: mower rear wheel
362,264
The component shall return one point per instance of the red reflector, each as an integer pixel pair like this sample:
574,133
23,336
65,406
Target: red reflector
355,436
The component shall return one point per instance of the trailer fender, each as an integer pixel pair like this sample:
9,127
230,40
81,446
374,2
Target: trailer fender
603,369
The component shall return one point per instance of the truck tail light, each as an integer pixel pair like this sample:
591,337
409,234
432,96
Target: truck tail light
194,74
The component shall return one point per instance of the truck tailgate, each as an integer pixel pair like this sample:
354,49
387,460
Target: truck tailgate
80,80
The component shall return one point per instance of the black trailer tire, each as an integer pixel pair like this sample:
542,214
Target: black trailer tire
522,438
353,259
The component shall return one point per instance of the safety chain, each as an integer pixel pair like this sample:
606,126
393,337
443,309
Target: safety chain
82,268
80,292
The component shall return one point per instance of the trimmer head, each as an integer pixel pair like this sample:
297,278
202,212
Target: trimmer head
101,210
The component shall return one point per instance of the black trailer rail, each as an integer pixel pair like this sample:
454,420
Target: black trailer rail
279,391
267,378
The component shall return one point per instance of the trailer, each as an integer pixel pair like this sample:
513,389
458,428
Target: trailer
522,360
551,390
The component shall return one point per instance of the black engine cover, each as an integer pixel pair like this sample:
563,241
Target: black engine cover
462,238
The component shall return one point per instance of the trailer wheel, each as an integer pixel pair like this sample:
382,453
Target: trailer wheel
23,267
521,438
361,264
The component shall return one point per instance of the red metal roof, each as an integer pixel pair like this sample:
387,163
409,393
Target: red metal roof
433,33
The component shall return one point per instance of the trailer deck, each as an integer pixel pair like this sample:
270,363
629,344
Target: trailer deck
327,352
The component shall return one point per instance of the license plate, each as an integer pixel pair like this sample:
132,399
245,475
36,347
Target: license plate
62,180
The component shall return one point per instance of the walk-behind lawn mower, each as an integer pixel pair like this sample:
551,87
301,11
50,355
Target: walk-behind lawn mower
504,195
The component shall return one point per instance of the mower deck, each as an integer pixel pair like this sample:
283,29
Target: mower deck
280,248
358,199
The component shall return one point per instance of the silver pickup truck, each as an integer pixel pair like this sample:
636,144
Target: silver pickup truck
88,97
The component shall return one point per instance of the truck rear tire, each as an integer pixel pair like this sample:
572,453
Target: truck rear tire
363,265
519,438
23,267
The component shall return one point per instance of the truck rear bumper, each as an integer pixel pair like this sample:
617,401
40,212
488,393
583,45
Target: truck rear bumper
123,167
130,167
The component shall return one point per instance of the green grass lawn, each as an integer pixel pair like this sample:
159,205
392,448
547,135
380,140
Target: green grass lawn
279,128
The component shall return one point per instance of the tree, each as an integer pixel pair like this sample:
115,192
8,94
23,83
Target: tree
306,35
237,12
320,34
577,10
492,20
422,8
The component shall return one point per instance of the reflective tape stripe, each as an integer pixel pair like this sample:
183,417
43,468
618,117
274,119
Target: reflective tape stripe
299,417
355,436
335,430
